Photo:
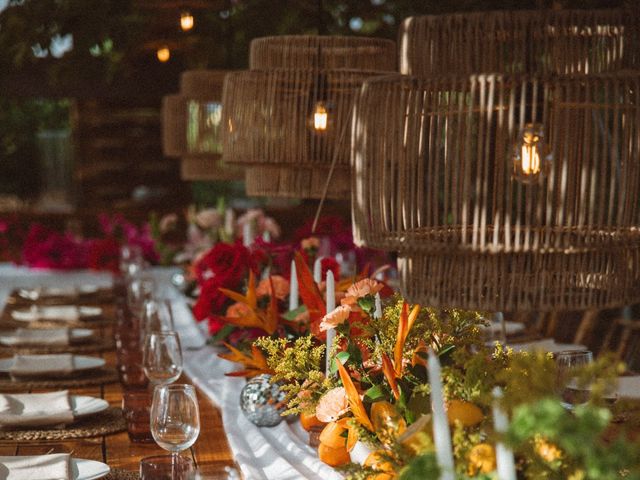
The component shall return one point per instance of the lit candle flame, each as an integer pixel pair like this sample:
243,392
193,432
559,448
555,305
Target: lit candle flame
163,54
530,159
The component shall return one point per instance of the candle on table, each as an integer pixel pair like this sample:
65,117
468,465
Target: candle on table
228,222
441,431
506,465
317,270
377,314
331,305
247,234
293,287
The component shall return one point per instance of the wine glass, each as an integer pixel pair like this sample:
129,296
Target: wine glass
157,316
175,418
131,260
162,357
139,290
569,363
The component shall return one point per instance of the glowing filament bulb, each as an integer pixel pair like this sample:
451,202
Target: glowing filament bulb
163,54
186,21
531,161
530,155
320,117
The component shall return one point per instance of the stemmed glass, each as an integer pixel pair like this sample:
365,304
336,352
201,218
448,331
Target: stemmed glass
162,357
175,418
157,316
139,290
569,363
131,260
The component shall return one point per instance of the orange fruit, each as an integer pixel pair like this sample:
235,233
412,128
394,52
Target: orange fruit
466,413
333,456
332,436
309,420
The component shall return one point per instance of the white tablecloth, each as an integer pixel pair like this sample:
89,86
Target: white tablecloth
280,452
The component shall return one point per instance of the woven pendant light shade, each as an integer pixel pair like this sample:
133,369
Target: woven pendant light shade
541,41
269,111
437,179
192,127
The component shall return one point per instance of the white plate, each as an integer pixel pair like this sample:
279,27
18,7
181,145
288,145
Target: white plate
78,335
82,469
81,363
628,387
60,313
546,345
82,406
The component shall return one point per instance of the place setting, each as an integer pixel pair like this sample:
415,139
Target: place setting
60,295
54,340
53,316
56,416
61,370
58,466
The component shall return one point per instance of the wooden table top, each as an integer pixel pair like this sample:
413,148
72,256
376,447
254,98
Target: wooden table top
211,452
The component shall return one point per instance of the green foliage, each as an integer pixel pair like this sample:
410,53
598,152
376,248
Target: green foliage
583,452
299,365
422,467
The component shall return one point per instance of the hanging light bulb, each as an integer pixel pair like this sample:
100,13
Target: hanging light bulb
531,160
186,21
320,117
163,54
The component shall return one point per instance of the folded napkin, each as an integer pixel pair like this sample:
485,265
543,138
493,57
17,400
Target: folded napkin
629,387
545,345
68,313
40,467
25,337
42,365
35,409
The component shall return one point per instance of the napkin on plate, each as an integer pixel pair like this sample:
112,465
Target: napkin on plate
42,467
629,387
25,366
35,409
67,313
26,337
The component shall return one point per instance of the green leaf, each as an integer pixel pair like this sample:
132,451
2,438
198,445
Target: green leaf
223,333
374,393
292,314
343,357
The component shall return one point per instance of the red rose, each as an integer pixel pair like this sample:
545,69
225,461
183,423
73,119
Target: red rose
229,263
329,263
211,300
104,255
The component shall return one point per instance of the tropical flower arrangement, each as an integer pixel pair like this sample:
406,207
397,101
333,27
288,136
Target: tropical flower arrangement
375,393
43,247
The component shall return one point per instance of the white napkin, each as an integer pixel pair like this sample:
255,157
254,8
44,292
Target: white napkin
35,409
545,345
68,313
42,365
25,337
628,387
36,467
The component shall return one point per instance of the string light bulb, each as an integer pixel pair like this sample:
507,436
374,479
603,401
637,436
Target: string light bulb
186,21
163,54
531,159
320,117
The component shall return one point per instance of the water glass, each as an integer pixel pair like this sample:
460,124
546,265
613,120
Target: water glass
162,357
175,417
569,363
157,316
167,467
136,408
131,260
139,290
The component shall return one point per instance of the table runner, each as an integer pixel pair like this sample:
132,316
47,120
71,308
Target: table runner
280,452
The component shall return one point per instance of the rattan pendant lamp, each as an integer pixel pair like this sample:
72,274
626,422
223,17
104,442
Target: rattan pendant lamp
287,119
506,191
191,127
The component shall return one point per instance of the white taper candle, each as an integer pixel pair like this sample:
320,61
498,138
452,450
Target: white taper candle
317,270
293,288
441,431
331,305
247,234
228,222
378,311
505,462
